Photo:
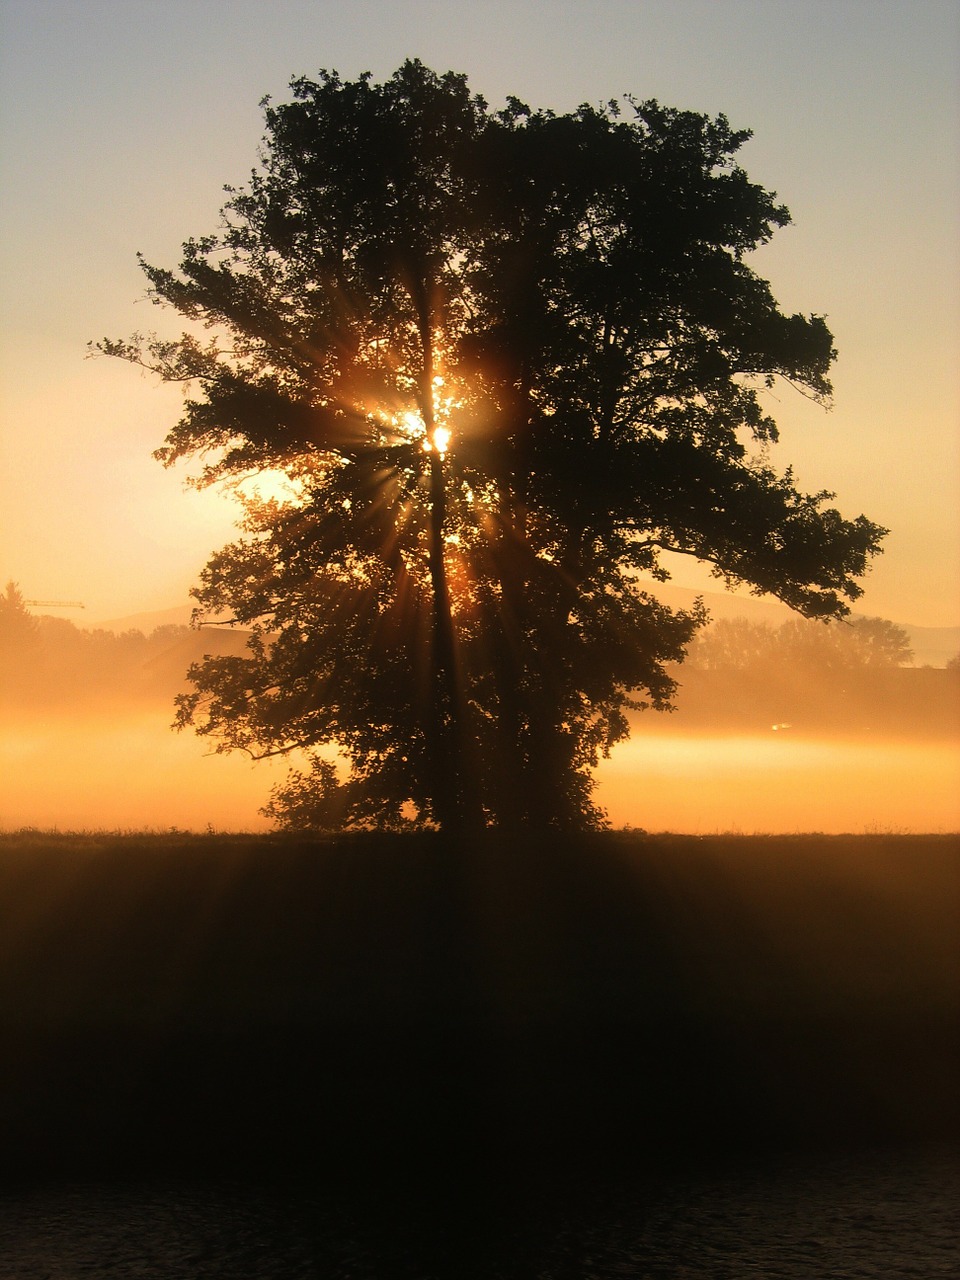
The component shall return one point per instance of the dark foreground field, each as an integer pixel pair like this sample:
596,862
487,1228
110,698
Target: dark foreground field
395,1008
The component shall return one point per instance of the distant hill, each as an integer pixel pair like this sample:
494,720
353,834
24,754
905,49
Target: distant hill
179,616
933,646
145,622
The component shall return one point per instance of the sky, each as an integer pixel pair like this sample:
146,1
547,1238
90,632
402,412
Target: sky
121,122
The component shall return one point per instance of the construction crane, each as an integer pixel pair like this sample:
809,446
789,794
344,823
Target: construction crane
55,604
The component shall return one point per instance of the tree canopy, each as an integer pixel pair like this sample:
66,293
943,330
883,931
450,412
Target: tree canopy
506,359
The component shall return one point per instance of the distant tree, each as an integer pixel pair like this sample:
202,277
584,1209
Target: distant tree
19,632
880,643
953,664
19,644
20,649
863,643
170,633
505,358
737,644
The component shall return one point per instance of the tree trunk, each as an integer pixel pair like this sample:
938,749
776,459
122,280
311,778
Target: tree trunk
456,797
448,746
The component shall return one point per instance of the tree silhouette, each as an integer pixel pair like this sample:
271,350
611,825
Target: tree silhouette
19,630
506,359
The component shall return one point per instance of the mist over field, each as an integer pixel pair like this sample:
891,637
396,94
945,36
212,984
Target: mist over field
778,737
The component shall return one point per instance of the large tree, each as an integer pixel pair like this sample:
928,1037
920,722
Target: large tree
506,358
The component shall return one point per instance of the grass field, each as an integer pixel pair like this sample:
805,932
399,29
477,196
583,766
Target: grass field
399,1003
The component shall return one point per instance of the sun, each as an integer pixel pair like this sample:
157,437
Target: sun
440,441
413,426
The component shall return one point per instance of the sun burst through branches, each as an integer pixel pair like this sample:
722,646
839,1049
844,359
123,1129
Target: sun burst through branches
440,441
444,404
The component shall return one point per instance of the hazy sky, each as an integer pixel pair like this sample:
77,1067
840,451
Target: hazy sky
121,121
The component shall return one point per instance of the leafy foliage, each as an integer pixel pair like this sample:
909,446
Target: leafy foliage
506,359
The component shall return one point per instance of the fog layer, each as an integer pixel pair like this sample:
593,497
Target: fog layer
777,730
132,772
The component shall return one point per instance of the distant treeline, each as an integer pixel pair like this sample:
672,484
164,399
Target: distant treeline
50,663
803,676
806,676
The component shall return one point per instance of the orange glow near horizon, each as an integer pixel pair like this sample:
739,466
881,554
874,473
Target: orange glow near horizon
782,784
130,772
